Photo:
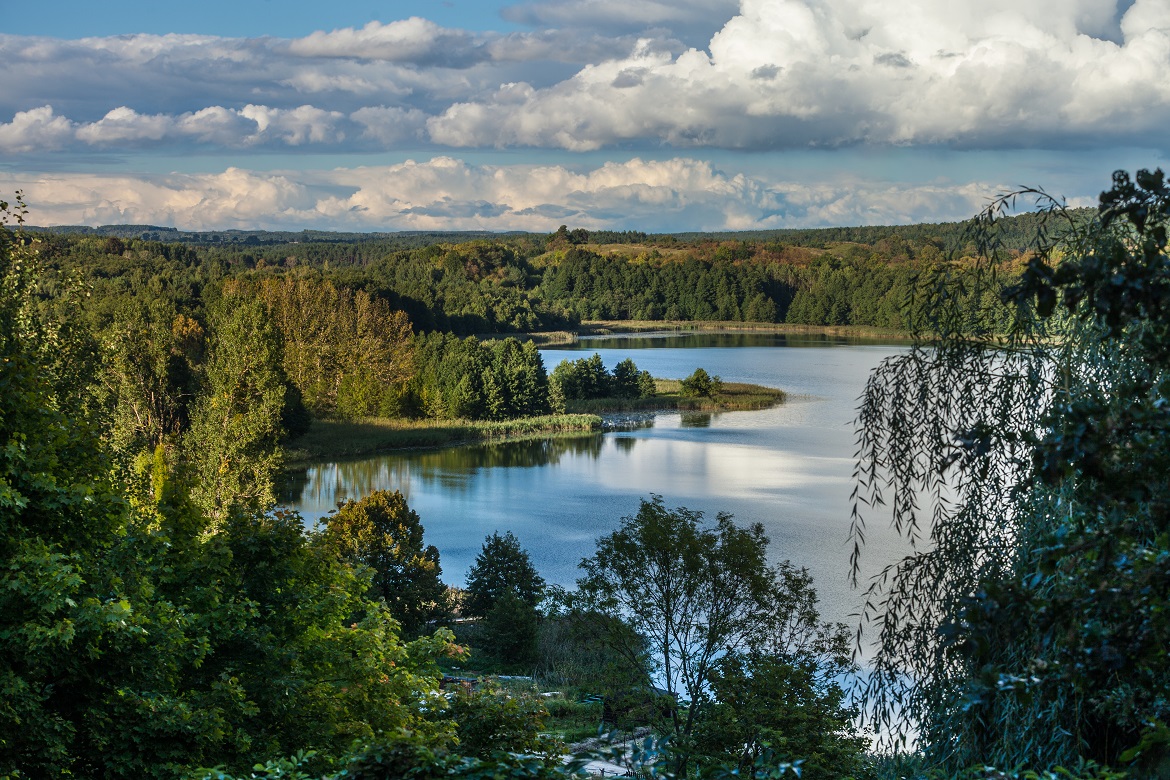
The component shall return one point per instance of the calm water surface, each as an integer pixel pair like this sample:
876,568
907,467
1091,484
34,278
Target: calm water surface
787,467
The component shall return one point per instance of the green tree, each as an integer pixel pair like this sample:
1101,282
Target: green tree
583,378
151,374
700,384
342,349
646,385
382,532
142,639
787,707
59,518
234,441
491,720
1033,629
693,594
625,380
509,631
502,566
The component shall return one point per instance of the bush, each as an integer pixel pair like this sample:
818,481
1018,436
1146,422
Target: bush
701,385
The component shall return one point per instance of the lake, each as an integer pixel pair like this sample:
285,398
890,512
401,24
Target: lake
788,467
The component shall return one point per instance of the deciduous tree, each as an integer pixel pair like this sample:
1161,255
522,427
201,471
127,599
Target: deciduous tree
233,444
380,531
695,593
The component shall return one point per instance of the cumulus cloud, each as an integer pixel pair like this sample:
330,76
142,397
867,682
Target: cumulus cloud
36,130
414,63
775,74
414,40
790,73
232,199
373,127
449,194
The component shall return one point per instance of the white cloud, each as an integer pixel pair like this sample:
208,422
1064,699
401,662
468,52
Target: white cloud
41,130
777,74
448,194
297,126
125,125
414,40
790,73
37,129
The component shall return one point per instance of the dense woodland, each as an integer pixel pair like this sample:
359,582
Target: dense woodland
160,617
470,284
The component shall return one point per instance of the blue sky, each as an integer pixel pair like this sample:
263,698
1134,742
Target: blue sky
235,18
647,114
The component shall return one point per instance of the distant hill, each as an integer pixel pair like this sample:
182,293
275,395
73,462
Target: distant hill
406,238
1015,233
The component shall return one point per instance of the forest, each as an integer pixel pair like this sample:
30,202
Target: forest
161,616
472,284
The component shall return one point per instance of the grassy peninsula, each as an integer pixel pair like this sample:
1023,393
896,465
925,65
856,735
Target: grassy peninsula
733,397
370,436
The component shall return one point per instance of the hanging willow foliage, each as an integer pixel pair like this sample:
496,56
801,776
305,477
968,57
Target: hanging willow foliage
1020,448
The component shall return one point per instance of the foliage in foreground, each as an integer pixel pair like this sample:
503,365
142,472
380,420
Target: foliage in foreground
1032,628
142,636
688,606
404,756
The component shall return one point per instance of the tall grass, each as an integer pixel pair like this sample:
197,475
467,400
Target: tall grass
352,438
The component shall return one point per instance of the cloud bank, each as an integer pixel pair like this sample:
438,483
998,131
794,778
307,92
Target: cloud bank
778,74
448,194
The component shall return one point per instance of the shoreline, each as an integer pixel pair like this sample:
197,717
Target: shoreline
354,439
595,328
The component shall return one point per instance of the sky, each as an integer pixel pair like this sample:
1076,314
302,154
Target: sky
654,115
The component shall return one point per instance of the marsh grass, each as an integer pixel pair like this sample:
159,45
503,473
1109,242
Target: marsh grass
352,438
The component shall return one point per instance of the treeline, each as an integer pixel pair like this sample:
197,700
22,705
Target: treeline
1013,233
526,283
412,238
586,379
471,379
185,345
265,340
260,342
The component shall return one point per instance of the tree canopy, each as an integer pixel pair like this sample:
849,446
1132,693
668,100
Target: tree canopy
380,531
142,635
697,595
500,568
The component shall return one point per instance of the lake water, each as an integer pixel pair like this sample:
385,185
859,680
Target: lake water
788,467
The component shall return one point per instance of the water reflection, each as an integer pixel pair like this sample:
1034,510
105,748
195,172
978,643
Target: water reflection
788,467
318,489
624,443
696,419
